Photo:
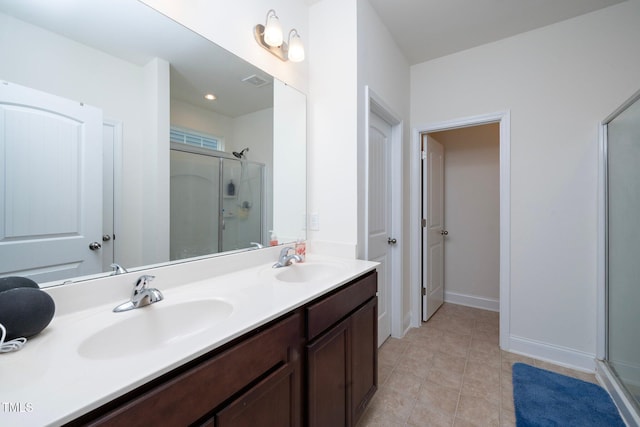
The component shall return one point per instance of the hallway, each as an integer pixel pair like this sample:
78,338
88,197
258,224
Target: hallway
450,372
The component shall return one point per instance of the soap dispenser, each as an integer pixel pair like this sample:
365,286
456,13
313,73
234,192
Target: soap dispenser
273,241
301,249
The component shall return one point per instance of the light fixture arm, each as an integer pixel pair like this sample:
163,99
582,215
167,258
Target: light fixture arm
270,13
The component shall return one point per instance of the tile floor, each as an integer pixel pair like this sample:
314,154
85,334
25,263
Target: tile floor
450,372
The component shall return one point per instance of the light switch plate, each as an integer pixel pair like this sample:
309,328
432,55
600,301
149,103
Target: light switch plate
314,222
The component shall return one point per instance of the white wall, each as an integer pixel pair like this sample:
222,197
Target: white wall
333,133
189,116
472,215
558,82
383,68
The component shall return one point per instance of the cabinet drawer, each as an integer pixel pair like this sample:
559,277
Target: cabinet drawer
330,310
192,394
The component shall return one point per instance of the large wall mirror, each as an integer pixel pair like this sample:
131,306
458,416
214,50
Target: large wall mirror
112,152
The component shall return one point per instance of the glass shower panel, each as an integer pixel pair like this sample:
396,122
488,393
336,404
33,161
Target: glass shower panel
623,248
243,189
195,205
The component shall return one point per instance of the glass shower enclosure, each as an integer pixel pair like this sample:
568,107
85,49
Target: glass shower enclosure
622,249
217,203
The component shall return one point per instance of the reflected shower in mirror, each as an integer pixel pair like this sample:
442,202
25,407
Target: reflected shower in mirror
98,121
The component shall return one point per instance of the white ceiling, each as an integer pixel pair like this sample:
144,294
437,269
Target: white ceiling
427,29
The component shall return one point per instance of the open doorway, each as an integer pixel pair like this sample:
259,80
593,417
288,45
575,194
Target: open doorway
461,208
503,120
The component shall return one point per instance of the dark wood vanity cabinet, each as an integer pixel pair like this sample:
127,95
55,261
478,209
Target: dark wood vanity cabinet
341,355
254,382
316,366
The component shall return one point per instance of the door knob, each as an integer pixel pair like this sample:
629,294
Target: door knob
392,241
106,238
444,232
94,246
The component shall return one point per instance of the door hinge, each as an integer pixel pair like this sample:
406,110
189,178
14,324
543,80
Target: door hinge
423,222
423,155
424,291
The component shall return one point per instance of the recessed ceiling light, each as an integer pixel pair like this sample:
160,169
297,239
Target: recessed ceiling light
210,96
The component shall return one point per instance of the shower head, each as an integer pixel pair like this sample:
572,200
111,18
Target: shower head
240,155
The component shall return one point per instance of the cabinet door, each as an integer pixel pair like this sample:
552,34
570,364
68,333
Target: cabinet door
364,357
190,395
274,402
328,372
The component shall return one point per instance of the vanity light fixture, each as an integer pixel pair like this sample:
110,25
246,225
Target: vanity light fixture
271,38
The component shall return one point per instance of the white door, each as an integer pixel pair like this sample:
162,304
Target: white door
380,240
433,231
50,185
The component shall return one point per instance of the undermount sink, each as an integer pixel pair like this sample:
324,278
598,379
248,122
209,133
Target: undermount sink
154,326
308,272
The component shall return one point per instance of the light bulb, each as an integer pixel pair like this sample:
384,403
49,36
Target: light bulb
273,30
296,48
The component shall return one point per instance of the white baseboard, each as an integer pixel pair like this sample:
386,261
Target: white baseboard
406,323
553,353
472,301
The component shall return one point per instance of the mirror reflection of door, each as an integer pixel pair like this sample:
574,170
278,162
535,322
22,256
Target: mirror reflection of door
50,186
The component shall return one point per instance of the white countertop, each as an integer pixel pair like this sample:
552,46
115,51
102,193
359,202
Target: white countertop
49,382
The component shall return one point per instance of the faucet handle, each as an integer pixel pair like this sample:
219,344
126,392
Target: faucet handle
285,251
141,284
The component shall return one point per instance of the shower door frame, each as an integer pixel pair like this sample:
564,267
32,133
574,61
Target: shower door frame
607,377
221,156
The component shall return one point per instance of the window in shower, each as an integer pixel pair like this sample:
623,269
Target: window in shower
195,139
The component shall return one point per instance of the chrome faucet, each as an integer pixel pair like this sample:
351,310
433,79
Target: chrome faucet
256,245
285,259
141,295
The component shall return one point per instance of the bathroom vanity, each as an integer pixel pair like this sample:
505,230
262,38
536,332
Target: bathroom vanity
299,347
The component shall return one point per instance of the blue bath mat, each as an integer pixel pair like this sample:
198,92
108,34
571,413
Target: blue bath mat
544,398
